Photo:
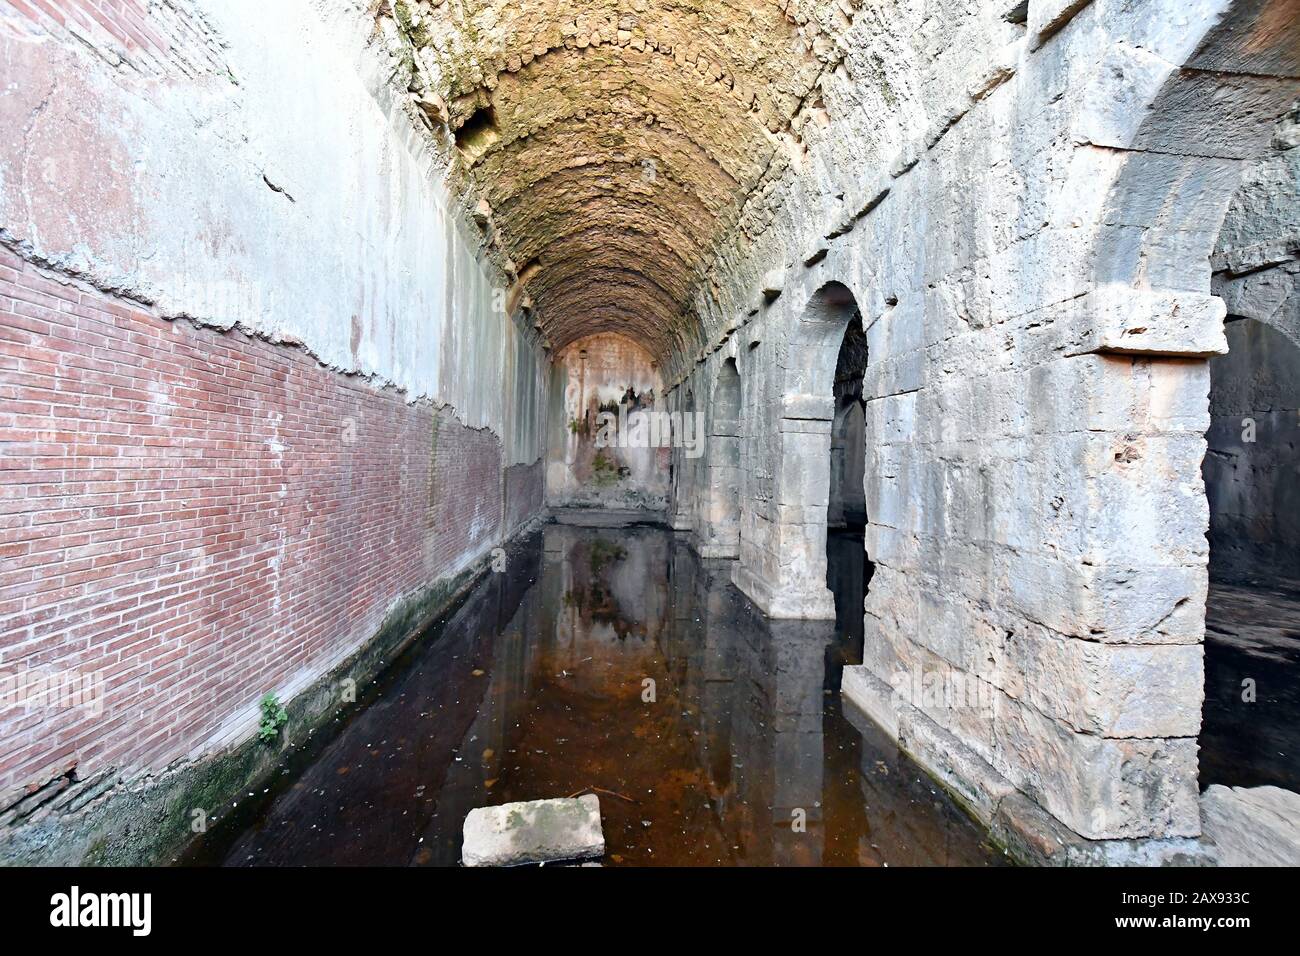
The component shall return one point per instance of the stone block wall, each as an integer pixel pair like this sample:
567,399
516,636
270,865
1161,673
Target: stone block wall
1022,209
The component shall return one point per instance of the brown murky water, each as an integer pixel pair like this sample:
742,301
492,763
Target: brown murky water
613,662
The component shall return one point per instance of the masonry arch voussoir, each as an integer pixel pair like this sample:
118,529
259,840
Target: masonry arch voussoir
1164,211
815,333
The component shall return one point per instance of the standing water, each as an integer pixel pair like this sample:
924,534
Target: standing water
614,662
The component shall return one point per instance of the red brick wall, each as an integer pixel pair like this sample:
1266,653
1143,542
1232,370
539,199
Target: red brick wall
460,516
200,517
525,489
162,39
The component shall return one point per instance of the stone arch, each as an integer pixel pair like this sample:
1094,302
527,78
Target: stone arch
1194,118
1251,467
1165,209
785,574
848,434
722,518
1252,479
813,347
1196,114
1256,262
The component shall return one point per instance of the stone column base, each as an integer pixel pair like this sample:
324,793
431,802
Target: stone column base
872,696
784,604
1024,830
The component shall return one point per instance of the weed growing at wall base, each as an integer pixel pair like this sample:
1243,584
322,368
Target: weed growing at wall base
274,716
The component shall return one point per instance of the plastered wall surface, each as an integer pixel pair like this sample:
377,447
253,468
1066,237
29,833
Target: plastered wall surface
598,458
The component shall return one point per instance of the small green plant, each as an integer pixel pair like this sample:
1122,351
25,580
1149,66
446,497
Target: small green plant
605,470
274,716
605,552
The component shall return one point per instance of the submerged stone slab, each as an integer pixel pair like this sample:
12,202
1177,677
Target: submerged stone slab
1253,826
536,831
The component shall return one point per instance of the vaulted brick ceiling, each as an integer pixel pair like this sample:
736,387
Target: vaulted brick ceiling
615,142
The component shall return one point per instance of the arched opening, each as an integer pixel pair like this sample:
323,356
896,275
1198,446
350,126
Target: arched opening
784,570
1253,455
848,570
1183,210
847,508
1250,730
722,520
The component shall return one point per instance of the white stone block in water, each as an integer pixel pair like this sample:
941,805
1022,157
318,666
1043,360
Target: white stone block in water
538,831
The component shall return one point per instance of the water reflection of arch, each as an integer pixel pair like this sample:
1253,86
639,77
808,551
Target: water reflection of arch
759,685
